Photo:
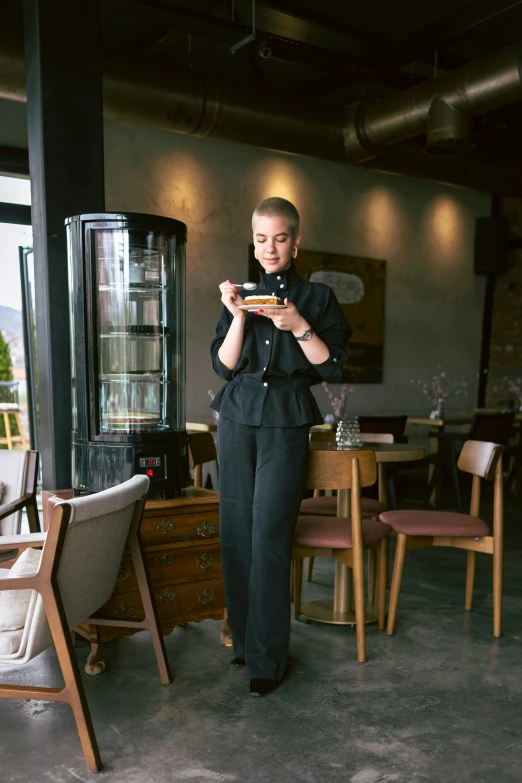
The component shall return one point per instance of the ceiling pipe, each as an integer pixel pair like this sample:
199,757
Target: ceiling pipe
478,87
196,103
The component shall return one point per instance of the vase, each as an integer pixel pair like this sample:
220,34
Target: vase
440,411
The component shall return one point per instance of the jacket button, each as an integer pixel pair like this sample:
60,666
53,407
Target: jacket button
335,359
264,369
282,285
265,384
267,342
279,277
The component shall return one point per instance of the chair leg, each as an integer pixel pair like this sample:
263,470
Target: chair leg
310,569
75,694
392,495
498,559
372,574
151,615
298,586
470,579
358,594
382,578
452,461
398,565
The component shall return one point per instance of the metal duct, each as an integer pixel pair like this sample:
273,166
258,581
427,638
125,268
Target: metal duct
197,104
475,88
449,130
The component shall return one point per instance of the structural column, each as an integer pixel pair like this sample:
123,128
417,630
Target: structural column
64,114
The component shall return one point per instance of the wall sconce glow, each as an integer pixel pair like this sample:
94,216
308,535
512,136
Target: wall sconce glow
280,177
445,223
185,186
382,219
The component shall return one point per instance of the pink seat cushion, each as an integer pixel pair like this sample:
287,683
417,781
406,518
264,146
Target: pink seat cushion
434,523
335,532
327,507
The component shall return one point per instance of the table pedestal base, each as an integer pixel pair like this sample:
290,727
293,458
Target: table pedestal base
324,612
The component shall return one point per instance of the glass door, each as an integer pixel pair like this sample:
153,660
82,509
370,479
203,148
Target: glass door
131,289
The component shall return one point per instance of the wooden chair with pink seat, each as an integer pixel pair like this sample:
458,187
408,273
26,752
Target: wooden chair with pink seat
326,505
344,537
418,529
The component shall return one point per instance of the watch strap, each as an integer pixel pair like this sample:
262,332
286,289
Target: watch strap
307,335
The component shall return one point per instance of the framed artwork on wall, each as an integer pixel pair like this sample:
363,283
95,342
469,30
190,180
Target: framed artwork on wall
360,286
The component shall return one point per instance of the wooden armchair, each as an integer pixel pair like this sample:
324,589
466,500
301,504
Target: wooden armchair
69,580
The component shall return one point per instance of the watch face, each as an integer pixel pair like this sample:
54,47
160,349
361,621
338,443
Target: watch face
307,335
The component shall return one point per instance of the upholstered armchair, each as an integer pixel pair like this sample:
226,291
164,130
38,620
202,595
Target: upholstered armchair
18,474
47,593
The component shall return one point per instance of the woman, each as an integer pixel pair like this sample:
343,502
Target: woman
270,359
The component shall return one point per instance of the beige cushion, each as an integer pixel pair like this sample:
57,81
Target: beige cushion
10,641
15,603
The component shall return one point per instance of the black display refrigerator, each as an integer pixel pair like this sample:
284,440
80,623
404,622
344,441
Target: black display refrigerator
127,314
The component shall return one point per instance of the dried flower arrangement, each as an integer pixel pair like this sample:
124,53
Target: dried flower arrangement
439,389
338,403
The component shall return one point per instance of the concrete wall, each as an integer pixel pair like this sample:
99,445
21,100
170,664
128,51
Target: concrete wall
423,230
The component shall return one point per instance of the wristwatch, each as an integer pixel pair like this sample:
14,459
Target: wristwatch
307,335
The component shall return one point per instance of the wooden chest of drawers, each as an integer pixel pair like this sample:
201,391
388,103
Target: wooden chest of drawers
181,542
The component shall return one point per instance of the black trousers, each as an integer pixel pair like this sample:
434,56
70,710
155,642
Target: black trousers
261,479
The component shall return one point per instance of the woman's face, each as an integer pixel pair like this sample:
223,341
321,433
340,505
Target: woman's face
273,243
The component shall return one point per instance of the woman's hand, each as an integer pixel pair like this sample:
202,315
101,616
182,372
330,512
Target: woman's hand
231,299
287,320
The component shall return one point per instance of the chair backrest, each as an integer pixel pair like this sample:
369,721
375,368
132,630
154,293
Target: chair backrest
333,469
90,557
376,437
13,474
201,449
492,427
480,458
395,425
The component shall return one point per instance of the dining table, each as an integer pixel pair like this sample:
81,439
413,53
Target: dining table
338,610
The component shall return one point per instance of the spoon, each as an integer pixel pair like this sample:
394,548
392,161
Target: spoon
246,286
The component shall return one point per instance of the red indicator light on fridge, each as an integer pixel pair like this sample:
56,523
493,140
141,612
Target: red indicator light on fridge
150,473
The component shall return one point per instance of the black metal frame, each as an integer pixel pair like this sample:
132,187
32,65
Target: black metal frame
17,214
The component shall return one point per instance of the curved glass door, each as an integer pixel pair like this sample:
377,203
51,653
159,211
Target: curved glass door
134,336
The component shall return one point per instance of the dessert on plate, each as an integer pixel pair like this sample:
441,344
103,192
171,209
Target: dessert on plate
262,300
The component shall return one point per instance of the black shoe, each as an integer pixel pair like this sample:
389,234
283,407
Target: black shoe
259,687
238,662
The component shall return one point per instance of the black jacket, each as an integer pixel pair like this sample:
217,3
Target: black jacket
270,384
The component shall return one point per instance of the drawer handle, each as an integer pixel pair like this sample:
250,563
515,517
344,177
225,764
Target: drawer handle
204,562
124,574
206,597
164,526
124,610
167,596
205,530
166,560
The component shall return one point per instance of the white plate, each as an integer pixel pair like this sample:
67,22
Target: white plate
250,307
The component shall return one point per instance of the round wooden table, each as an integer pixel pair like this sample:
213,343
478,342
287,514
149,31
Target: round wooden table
338,611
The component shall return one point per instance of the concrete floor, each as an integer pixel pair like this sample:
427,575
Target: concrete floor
441,701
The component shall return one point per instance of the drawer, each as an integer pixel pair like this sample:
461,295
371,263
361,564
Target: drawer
180,527
168,566
175,604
